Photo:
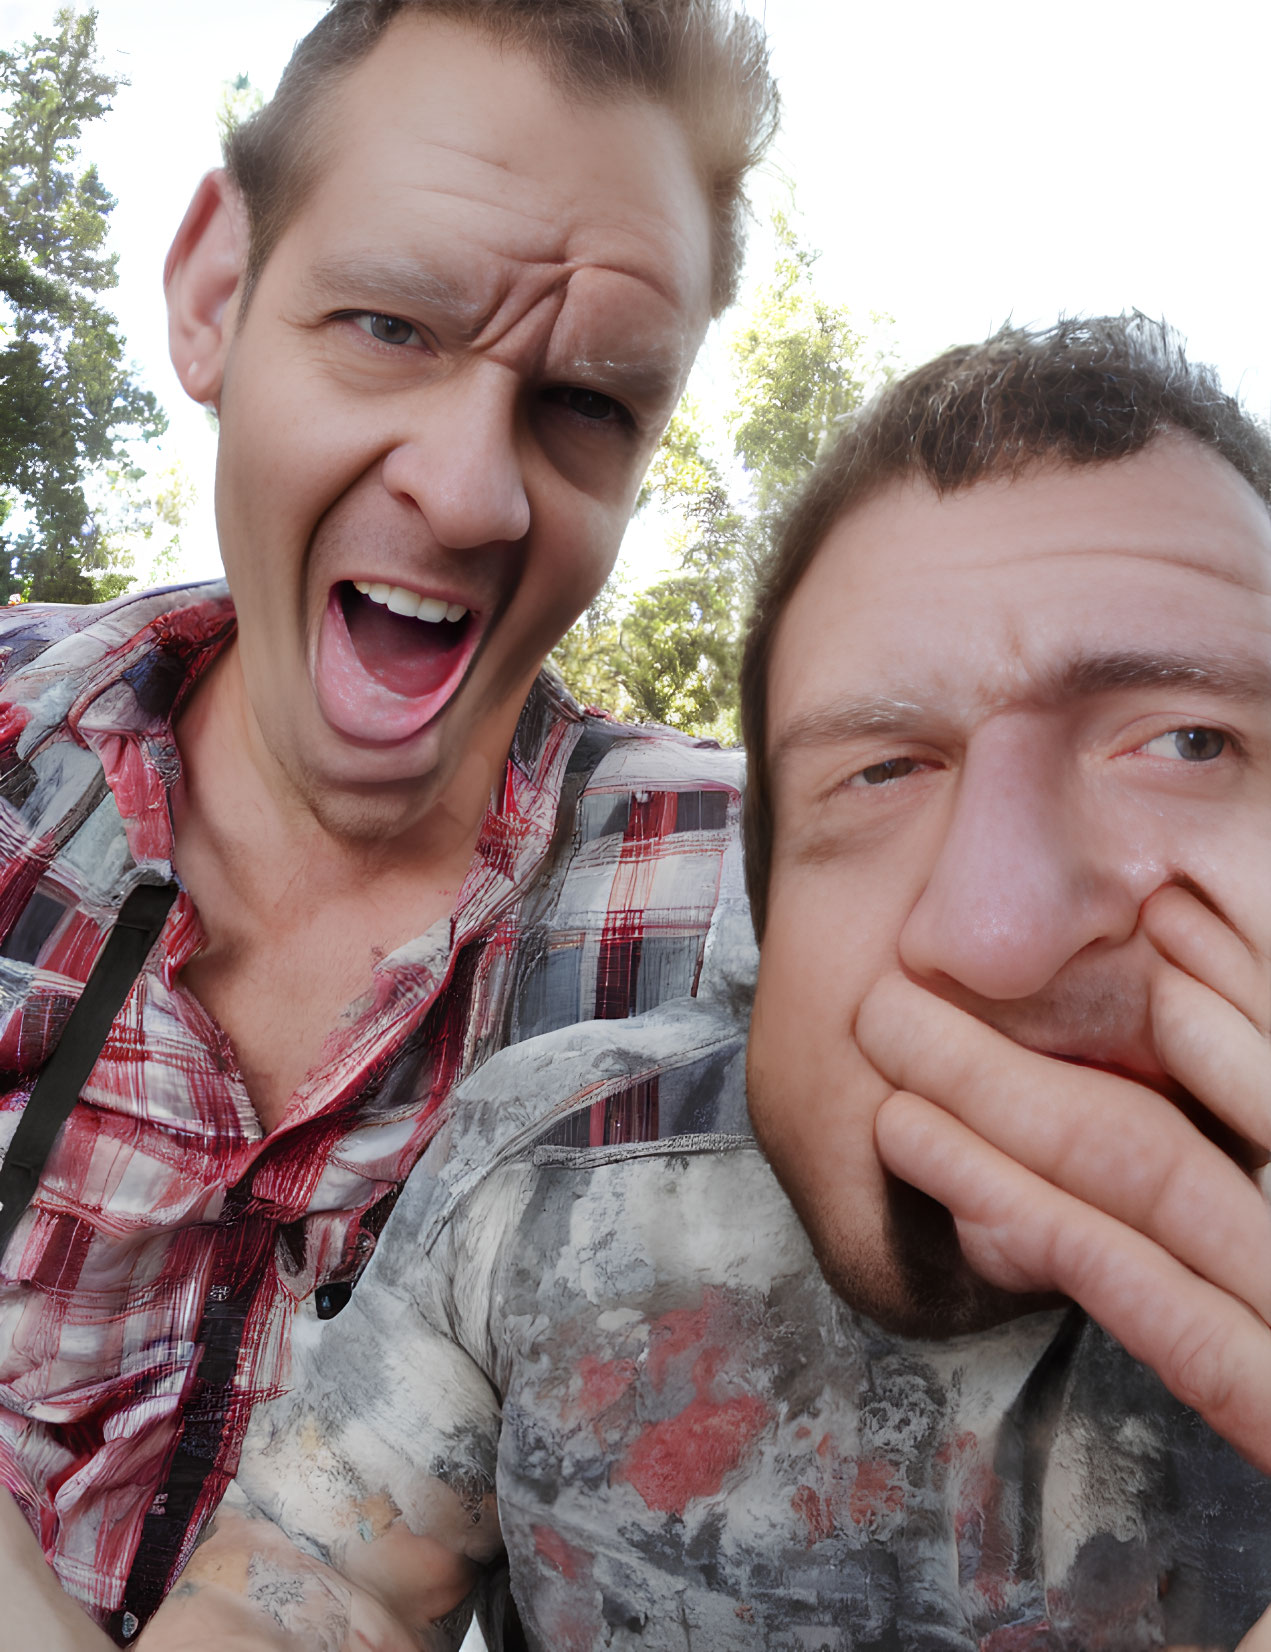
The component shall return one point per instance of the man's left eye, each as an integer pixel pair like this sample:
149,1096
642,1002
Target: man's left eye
1193,745
588,404
388,329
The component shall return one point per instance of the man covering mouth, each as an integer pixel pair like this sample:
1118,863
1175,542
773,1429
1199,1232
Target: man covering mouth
1042,849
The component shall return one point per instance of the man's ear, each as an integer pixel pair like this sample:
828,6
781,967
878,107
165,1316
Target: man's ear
202,280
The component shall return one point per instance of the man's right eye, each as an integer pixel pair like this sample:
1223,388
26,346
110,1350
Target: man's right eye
879,774
387,329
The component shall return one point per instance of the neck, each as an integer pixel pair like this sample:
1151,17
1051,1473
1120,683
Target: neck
298,909
237,807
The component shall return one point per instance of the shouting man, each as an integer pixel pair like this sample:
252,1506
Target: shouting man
443,299
1008,696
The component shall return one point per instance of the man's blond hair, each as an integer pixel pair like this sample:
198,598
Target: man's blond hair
703,59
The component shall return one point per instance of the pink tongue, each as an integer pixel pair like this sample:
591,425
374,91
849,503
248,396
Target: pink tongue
407,655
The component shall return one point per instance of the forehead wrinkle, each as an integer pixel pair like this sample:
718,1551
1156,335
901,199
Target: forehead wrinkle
561,229
516,206
1216,570
650,278
558,229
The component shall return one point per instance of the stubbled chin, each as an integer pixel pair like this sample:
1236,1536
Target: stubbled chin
358,705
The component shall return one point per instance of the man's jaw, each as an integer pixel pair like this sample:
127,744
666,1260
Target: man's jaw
389,658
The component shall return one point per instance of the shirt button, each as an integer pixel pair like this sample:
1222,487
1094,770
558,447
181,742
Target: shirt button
329,1299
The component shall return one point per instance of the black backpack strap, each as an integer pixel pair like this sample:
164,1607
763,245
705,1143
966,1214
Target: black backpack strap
57,1089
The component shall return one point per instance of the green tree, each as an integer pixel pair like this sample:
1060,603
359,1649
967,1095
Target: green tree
140,517
798,365
68,401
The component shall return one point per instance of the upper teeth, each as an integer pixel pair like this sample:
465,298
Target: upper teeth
401,601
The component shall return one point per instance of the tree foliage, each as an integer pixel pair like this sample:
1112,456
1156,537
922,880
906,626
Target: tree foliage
68,401
240,99
797,365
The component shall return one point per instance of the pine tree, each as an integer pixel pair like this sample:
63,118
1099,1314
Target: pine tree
68,400
670,653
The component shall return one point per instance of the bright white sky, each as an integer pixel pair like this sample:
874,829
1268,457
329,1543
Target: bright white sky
958,164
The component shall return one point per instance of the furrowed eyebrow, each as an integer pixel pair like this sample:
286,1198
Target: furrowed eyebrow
1086,676
849,720
399,280
654,377
1089,675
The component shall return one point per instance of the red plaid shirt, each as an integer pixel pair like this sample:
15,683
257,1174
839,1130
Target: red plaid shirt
146,1295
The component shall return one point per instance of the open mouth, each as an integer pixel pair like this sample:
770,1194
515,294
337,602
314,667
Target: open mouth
389,659
405,641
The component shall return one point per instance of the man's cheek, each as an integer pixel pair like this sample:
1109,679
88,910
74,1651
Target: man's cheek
802,999
813,1095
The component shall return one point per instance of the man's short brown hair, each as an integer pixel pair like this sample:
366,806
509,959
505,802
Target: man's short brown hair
1079,392
703,59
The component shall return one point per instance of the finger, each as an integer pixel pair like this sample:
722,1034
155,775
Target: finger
1220,1056
1195,940
1210,1350
1107,1141
1259,1637
37,1613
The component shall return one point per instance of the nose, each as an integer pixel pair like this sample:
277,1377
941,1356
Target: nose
1026,875
459,460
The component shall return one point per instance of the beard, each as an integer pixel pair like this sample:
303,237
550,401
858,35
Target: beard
890,1251
909,1276
932,1291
